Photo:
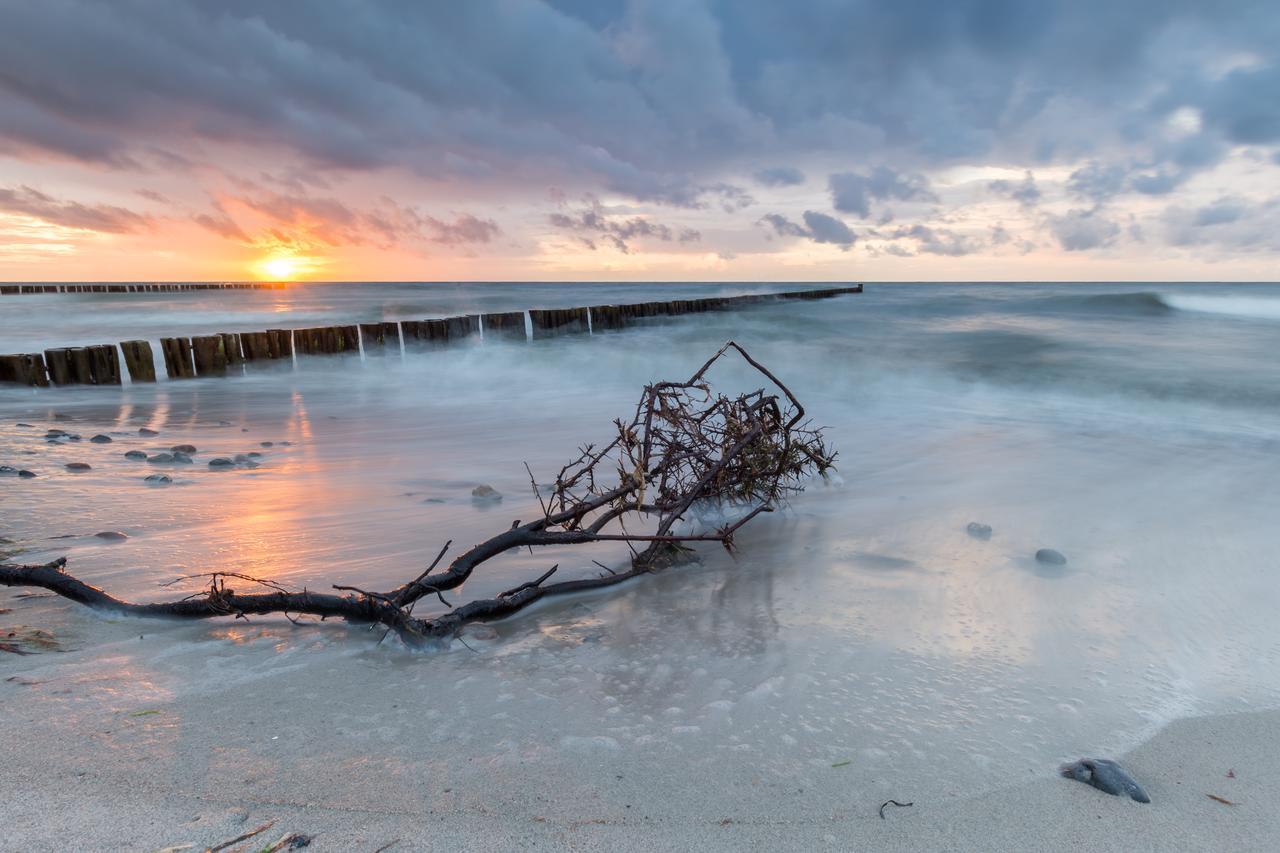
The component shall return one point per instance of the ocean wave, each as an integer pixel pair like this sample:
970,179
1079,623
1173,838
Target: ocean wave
1254,307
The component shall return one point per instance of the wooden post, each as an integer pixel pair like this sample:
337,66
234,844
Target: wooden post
104,361
374,338
177,358
232,345
81,366
210,354
347,339
281,343
58,361
257,346
509,325
140,361
25,369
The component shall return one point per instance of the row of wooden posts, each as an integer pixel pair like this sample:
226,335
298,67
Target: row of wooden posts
211,355
15,289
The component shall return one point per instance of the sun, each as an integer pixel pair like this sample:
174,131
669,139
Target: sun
280,267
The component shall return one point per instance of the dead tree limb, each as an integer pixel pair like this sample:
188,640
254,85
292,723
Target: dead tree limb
685,447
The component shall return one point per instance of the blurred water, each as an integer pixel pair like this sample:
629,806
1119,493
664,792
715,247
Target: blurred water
1133,428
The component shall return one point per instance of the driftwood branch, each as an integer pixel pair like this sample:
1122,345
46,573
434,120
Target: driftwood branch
684,449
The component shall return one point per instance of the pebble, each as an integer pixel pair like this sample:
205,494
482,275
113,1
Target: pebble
221,462
160,459
1050,557
979,531
158,479
101,439
183,448
145,431
485,493
135,454
79,466
112,536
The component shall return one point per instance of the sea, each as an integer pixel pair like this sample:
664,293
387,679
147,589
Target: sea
1134,428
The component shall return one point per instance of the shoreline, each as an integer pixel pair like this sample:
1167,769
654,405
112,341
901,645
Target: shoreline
205,767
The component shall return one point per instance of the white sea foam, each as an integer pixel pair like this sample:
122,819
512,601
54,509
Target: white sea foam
1254,307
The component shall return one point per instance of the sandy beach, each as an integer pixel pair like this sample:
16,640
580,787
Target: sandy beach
364,759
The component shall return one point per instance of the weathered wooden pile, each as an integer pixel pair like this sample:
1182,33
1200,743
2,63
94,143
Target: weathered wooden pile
14,289
212,355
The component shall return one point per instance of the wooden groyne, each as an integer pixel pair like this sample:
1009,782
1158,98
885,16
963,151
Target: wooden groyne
17,289
224,352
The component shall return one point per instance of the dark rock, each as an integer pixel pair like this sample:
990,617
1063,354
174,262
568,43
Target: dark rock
158,479
73,438
286,444
112,536
79,466
160,459
435,501
146,431
25,474
20,424
1050,557
181,458
978,531
253,454
55,433
8,471
1105,775
183,448
135,454
101,439
485,494
221,462
266,444
241,458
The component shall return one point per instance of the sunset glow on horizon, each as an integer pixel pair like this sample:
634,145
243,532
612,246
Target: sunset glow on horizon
298,145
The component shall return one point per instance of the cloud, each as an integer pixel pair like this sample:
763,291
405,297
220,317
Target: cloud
1229,223
1025,192
1079,230
1097,181
592,223
818,227
938,241
780,176
103,218
852,192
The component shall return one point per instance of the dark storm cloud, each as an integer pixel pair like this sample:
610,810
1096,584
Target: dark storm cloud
654,100
104,218
852,192
818,227
780,176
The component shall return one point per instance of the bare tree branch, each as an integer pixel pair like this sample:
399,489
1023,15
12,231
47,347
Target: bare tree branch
684,447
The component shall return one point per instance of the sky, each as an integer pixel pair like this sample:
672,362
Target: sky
598,140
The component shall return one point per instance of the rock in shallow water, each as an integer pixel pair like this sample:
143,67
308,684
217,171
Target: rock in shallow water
101,439
112,536
145,431
1105,775
79,466
183,448
182,458
160,459
1050,557
158,479
221,462
978,530
485,494
135,454
25,474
